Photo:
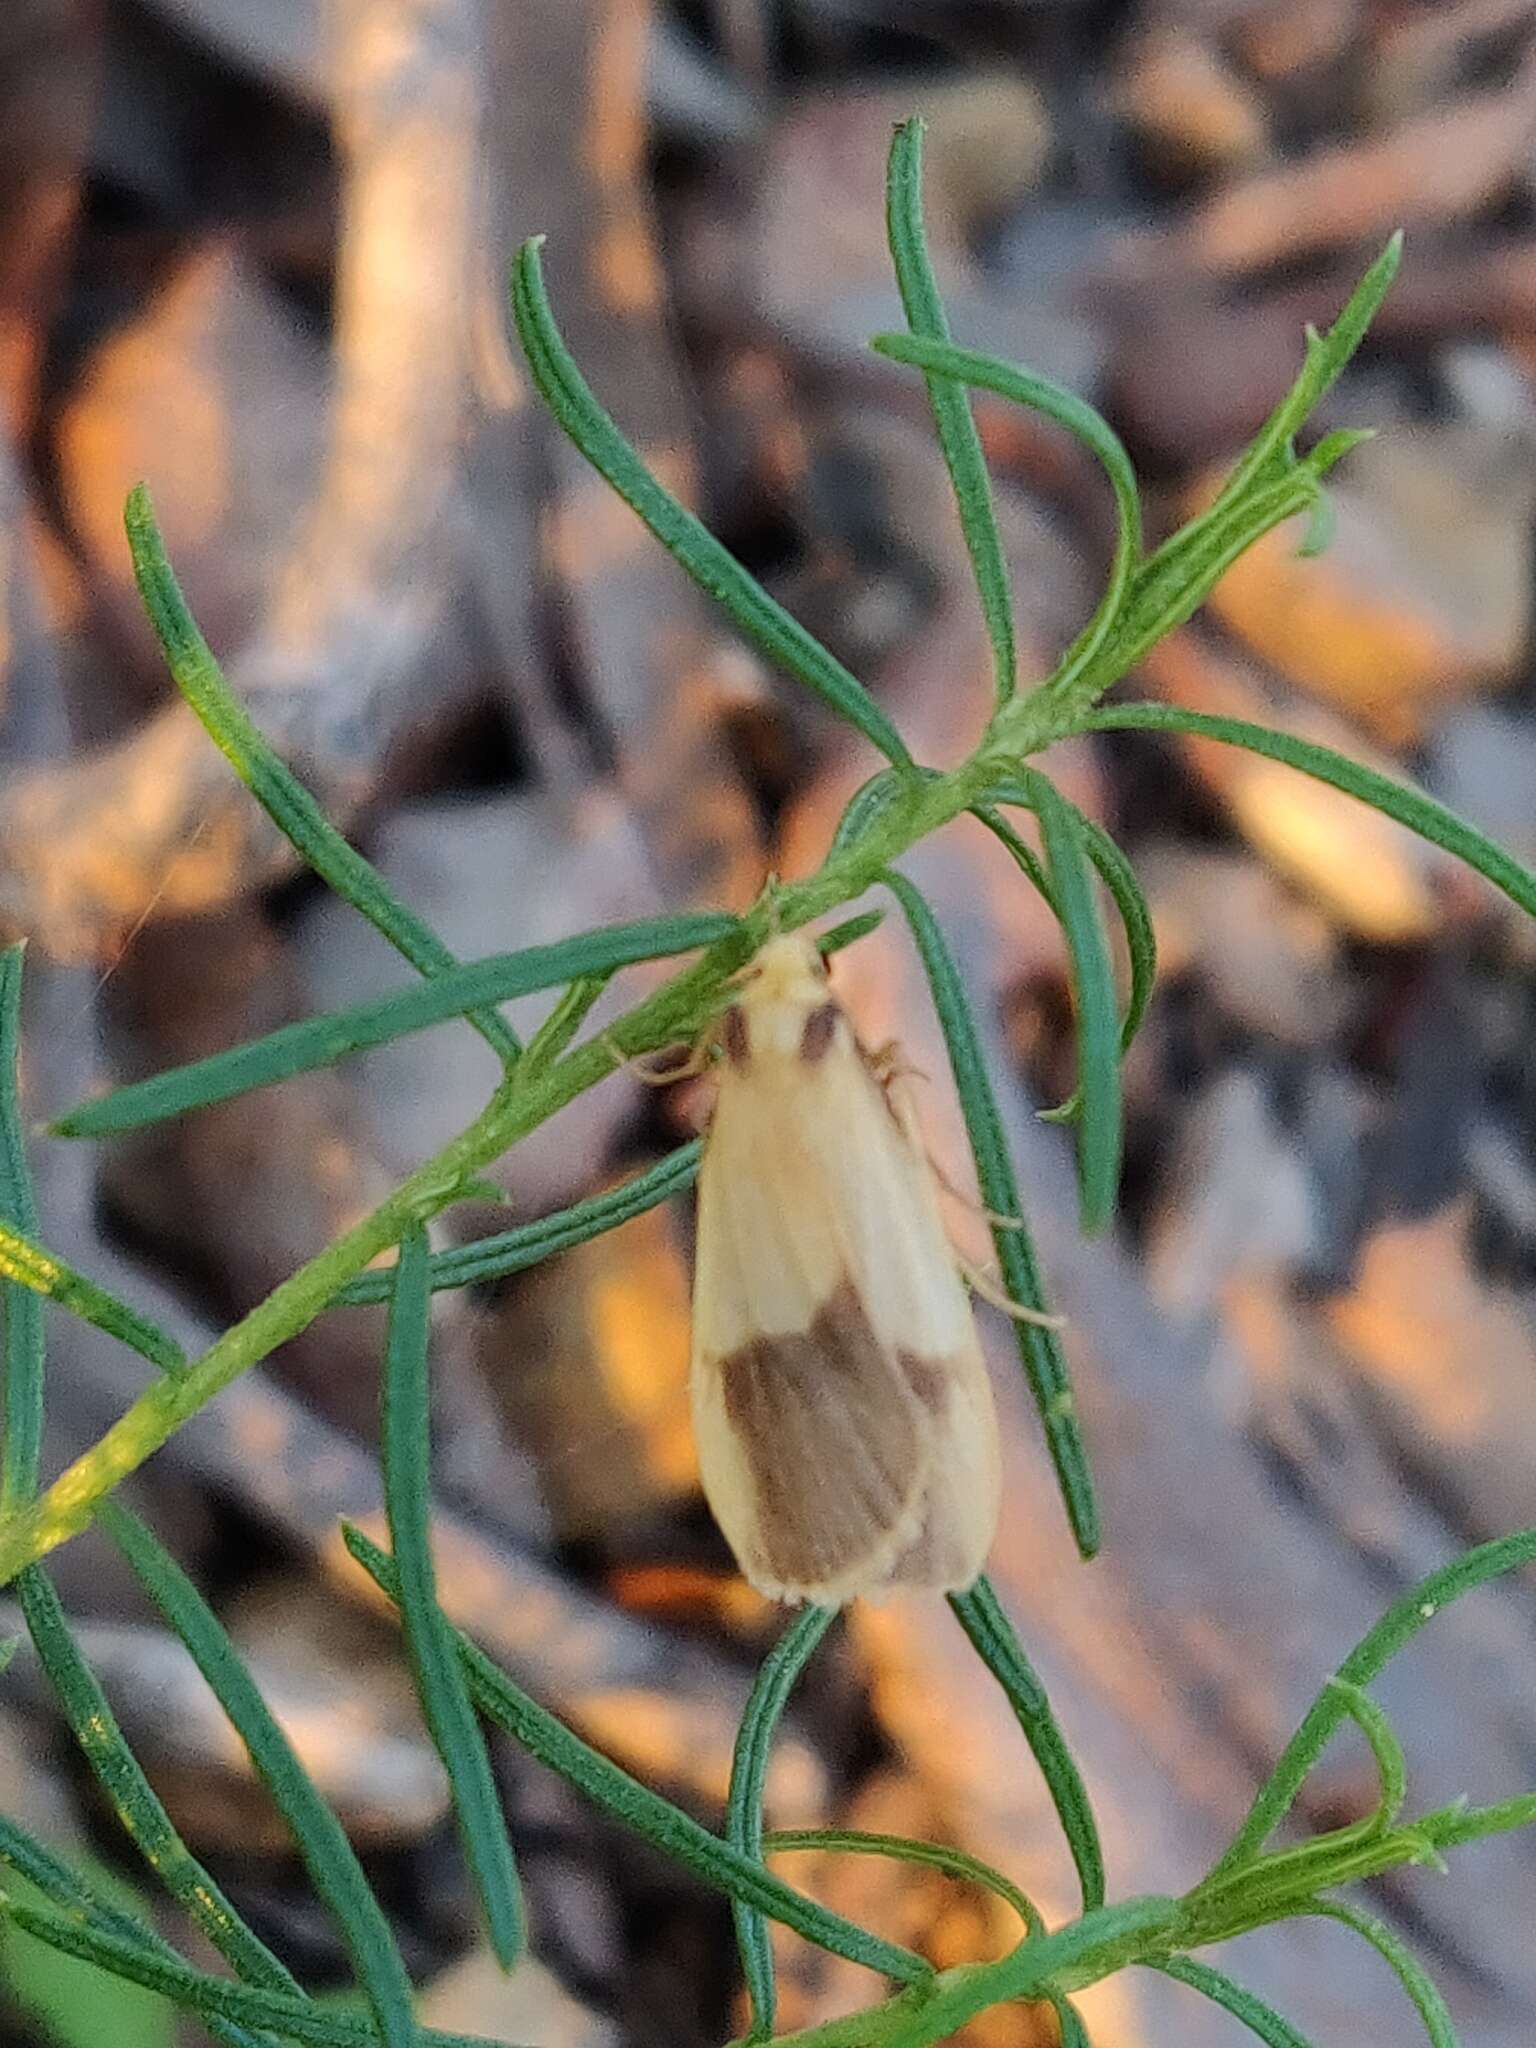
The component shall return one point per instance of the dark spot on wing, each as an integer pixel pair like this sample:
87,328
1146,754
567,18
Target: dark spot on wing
733,1032
819,1032
928,1381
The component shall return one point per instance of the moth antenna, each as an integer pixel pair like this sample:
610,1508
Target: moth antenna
989,1291
688,1068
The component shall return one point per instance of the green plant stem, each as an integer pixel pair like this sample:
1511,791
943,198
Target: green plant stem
674,1011
1150,1930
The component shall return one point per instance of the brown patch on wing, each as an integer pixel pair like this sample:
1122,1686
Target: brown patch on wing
928,1381
836,1451
819,1031
734,1036
960,1495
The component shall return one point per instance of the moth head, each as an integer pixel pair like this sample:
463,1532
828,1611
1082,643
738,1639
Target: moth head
785,1007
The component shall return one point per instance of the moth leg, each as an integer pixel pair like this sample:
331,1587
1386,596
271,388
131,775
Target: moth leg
988,1289
891,1070
693,1063
995,1217
889,1065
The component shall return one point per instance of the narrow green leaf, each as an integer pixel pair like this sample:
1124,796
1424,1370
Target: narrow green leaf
281,795
1451,1827
1025,859
328,1856
849,932
405,1432
1171,585
744,1804
565,1019
672,1831
1098,1023
1398,1625
1412,1975
1040,1351
871,799
980,1613
959,441
1256,2016
82,1901
47,1275
1325,359
320,1041
1119,877
66,2004
513,1251
1073,2033
967,366
904,1849
690,543
1410,807
327,2026
133,1800
1391,1765
1100,1942
21,1422
1333,447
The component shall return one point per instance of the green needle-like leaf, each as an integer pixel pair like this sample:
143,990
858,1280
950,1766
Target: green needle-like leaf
406,1457
1326,357
980,1613
1414,1978
139,1811
744,1804
211,1998
22,1418
1117,875
561,1025
903,1849
321,1041
881,793
966,366
328,1856
672,1831
85,1905
690,543
849,932
1256,2016
1098,1025
1391,1766
281,795
1410,807
47,1275
1398,1625
959,441
1024,856
1044,1361
1073,2033
513,1251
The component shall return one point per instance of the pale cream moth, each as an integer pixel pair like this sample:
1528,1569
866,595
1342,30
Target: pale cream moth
845,1426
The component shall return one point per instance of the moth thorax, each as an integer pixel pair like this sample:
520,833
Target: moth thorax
785,1010
783,1031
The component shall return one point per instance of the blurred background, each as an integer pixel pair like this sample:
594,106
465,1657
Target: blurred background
254,254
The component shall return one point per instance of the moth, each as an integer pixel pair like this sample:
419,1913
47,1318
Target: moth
846,1433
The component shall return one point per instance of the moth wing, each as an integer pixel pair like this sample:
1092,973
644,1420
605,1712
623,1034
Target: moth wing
813,1445
964,1489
